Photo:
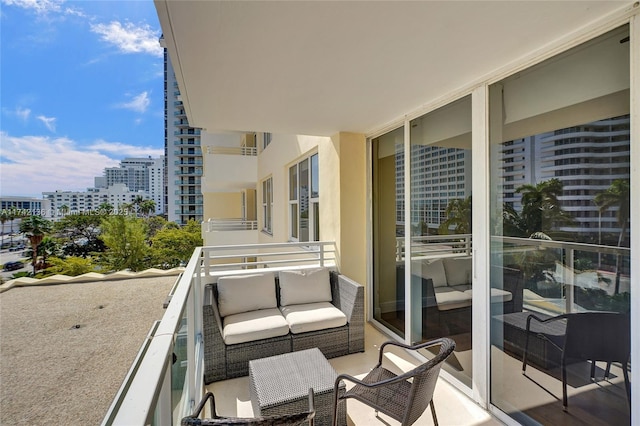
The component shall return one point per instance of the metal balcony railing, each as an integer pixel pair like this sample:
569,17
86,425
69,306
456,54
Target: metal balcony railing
217,224
227,150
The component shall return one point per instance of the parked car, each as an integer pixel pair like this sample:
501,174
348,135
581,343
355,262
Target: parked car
12,266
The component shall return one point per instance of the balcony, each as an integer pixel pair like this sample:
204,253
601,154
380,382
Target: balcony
230,168
188,133
194,162
229,231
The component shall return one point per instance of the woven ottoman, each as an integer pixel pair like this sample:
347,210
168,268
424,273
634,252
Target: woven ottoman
280,385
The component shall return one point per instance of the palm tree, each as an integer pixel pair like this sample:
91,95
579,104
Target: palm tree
458,215
147,206
540,206
105,208
64,209
617,195
4,218
34,228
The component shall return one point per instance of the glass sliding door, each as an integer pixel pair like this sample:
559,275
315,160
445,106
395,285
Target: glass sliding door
560,220
388,230
440,216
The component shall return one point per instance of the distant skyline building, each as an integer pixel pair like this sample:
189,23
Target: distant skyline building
586,158
183,154
74,202
138,174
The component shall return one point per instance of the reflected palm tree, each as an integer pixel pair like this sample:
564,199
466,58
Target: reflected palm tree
617,196
458,216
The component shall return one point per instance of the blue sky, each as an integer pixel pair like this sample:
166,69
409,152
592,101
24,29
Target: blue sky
81,87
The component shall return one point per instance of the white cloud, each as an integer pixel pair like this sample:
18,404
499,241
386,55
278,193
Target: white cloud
139,103
32,164
124,150
23,113
50,122
129,38
38,6
43,163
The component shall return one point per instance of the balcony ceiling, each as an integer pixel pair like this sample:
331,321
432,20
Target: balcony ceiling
323,67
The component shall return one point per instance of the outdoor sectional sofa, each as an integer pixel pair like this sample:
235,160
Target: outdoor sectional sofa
267,313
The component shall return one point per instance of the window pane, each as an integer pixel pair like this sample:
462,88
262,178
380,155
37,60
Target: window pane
388,228
440,217
315,188
560,185
304,200
294,220
293,182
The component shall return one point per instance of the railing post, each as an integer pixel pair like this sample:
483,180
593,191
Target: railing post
321,246
569,281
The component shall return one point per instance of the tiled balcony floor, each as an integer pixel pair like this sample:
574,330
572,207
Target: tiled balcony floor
452,407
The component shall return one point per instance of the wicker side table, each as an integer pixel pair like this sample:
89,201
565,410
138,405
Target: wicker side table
280,385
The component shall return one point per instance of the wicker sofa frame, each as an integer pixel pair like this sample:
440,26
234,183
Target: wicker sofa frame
222,361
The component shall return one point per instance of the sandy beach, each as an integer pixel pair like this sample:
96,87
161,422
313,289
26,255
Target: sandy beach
65,349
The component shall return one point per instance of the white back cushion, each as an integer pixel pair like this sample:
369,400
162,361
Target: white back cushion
435,271
304,286
458,270
244,293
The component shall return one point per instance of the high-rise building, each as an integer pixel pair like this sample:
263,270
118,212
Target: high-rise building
183,155
138,174
586,159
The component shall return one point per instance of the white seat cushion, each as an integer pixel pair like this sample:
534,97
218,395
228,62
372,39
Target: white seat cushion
254,325
313,316
245,293
435,271
304,286
497,295
458,270
449,298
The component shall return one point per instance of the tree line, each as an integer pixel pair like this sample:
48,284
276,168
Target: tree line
105,242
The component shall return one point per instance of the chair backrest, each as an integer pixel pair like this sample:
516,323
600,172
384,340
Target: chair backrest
598,336
425,378
283,420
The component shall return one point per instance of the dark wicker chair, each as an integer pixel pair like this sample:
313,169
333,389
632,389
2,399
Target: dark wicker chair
589,336
403,397
281,420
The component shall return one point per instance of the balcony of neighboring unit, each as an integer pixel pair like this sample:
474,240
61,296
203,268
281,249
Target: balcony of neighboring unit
186,201
177,103
181,182
183,141
197,172
187,153
180,113
190,162
187,212
181,123
187,133
230,168
217,231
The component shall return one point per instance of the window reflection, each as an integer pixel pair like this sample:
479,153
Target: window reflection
560,181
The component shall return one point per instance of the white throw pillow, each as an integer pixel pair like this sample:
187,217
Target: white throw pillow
304,286
458,271
435,271
244,293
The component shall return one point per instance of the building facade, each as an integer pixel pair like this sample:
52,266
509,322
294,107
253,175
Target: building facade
138,174
183,155
563,105
78,202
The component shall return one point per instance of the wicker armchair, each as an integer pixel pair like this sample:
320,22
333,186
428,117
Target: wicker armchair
403,397
590,336
295,419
